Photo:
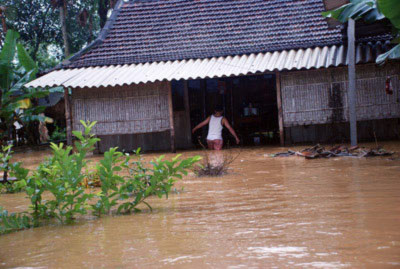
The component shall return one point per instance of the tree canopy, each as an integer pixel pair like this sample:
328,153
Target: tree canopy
39,24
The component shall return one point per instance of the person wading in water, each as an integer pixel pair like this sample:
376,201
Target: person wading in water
216,123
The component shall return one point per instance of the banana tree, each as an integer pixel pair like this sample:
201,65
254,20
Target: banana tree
371,11
12,90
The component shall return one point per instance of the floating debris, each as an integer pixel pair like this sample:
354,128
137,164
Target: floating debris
216,163
318,151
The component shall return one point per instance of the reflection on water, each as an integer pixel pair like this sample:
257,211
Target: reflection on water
267,212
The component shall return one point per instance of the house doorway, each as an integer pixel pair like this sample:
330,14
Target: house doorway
249,103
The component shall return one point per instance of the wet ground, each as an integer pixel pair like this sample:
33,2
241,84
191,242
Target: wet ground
266,213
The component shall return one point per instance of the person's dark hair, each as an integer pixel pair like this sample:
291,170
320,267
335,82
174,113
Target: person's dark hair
218,108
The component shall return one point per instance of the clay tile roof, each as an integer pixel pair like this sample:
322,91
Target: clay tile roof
166,30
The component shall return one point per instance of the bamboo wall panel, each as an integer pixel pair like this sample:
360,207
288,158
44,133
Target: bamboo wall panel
131,109
384,129
320,96
150,141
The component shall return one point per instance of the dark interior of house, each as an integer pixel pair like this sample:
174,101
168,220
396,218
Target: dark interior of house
249,103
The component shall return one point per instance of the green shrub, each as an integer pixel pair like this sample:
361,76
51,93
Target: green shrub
5,157
14,170
58,134
140,183
13,222
157,180
125,182
65,176
110,181
34,189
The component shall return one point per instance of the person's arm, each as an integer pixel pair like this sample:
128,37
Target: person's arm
201,124
229,127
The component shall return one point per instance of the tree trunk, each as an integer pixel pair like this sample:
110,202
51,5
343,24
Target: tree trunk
68,122
90,27
39,35
3,21
102,11
63,21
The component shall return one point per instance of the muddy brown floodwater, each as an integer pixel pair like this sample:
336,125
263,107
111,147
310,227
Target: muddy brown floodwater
266,213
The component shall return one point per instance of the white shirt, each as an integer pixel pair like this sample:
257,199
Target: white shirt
215,128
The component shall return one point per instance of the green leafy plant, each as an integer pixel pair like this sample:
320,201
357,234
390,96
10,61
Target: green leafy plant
14,170
13,222
107,170
157,180
5,157
58,134
371,11
126,182
65,176
140,183
12,82
34,188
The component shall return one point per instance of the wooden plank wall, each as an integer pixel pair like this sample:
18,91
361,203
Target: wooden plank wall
134,109
320,96
183,139
130,142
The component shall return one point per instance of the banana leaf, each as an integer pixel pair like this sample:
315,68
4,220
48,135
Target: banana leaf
26,61
394,53
391,10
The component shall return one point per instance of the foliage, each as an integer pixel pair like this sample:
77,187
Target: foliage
11,86
126,182
140,183
106,170
14,169
35,22
34,190
5,157
65,176
156,180
13,222
12,187
58,134
371,11
42,35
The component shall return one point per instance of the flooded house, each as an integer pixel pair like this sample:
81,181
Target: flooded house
278,67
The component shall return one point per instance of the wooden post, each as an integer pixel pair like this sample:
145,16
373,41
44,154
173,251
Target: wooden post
232,106
352,95
203,88
68,116
171,118
280,110
187,112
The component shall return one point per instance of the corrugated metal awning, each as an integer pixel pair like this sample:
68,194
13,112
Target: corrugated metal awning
104,76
